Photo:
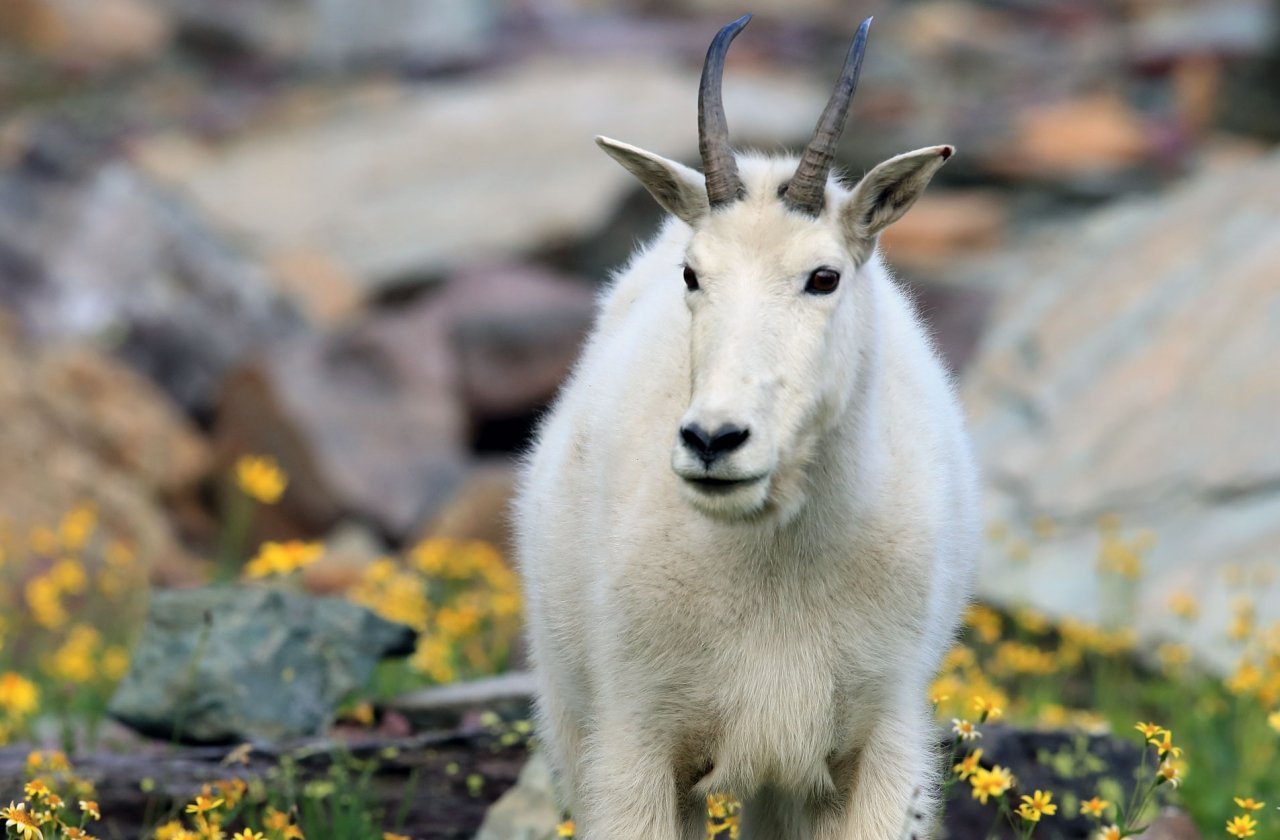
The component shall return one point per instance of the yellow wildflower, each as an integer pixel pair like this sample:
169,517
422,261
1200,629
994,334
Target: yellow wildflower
171,830
1165,745
1242,826
36,789
987,709
1149,730
203,804
281,558
292,832
77,526
1111,832
250,834
1249,804
1040,803
275,819
566,829
1094,807
1246,678
1184,605
17,817
261,478
70,832
965,729
90,807
987,783
969,764
1273,720
985,622
391,835
1168,773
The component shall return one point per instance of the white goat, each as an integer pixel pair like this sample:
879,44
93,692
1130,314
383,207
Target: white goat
748,527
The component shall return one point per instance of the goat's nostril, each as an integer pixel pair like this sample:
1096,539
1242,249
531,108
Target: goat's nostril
728,438
696,438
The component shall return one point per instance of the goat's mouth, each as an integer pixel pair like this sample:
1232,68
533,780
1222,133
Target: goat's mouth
722,486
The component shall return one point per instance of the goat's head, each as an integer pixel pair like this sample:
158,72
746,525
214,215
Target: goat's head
780,318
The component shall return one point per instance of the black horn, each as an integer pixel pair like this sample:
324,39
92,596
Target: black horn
808,186
718,164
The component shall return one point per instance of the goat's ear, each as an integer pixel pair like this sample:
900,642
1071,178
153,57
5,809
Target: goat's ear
681,191
888,191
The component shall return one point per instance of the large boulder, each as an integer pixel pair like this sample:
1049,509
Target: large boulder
406,182
1131,370
238,663
79,427
93,250
375,421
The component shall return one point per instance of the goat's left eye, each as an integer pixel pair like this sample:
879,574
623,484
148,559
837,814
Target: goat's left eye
822,281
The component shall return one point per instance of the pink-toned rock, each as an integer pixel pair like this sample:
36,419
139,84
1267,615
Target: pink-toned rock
1092,134
942,226
88,34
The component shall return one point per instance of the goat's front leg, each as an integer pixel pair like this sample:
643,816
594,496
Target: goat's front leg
892,790
628,790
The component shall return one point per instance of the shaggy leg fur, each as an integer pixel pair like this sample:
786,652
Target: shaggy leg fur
629,793
889,785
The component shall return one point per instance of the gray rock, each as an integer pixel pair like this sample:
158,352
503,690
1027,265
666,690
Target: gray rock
444,706
1132,371
414,181
526,812
239,663
98,251
335,33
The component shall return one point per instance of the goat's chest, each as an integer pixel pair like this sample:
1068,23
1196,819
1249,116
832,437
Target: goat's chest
766,682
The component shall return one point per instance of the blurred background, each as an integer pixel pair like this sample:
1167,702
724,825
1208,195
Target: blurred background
285,284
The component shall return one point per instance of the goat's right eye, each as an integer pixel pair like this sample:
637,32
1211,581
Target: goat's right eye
690,279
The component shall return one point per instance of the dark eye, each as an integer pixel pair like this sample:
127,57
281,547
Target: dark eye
822,281
690,279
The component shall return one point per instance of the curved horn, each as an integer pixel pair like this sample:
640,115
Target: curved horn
808,186
718,163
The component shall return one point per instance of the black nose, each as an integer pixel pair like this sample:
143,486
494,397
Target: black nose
709,447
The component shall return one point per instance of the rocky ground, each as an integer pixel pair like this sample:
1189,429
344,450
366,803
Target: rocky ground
369,246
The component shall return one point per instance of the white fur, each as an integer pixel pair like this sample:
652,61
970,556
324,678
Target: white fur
777,641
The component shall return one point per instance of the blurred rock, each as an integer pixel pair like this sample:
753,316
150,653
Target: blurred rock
86,34
418,180
325,291
1091,135
480,510
335,33
943,226
348,552
515,331
1171,824
527,811
376,420
81,427
95,251
444,707
366,422
239,663
1131,370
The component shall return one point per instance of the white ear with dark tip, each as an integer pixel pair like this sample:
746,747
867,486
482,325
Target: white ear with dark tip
887,192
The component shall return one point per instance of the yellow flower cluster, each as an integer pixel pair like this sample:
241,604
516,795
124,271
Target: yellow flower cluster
1120,556
723,816
57,805
283,558
218,804
461,597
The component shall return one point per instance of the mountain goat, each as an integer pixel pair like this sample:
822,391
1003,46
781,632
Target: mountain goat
748,526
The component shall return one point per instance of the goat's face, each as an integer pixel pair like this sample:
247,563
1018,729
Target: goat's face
779,318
